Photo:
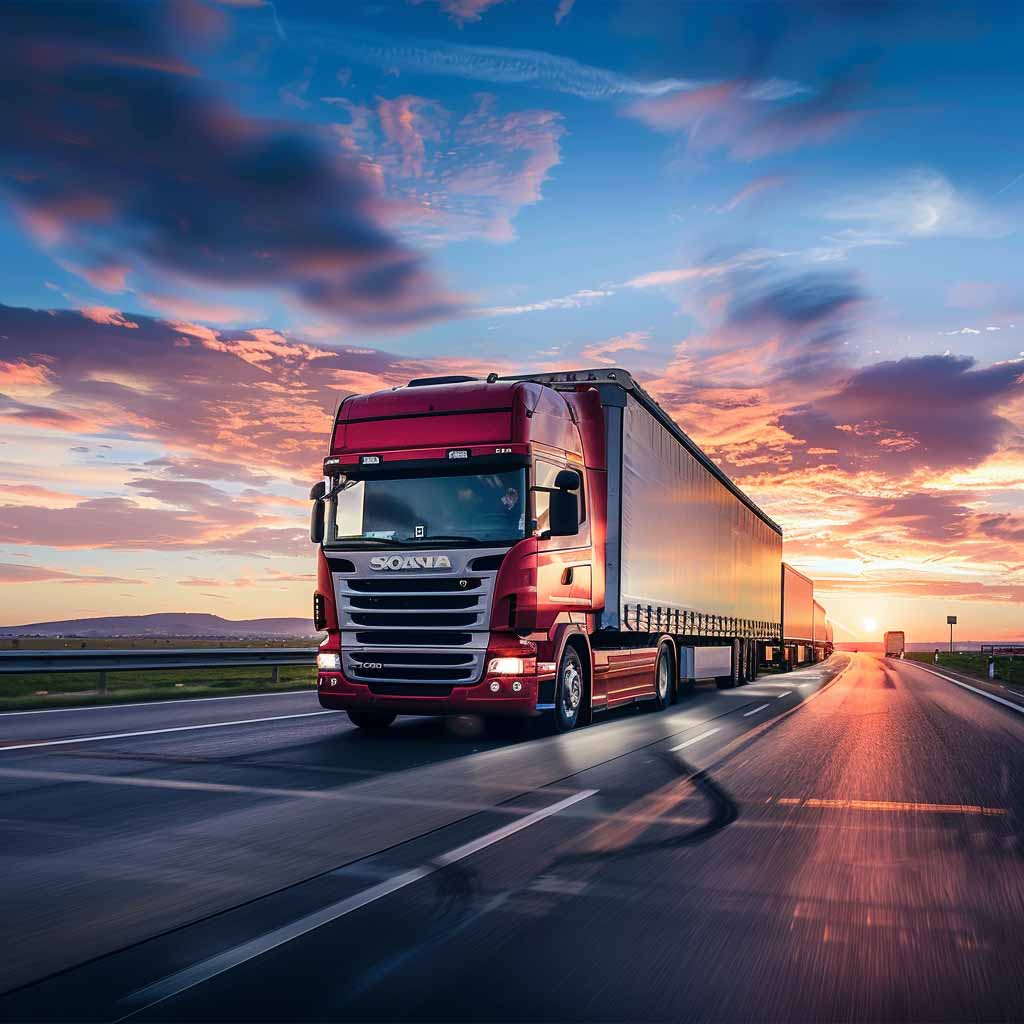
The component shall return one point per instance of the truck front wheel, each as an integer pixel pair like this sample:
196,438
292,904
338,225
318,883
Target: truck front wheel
371,721
572,686
664,677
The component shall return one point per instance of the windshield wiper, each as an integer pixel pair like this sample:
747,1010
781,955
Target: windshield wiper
440,536
358,538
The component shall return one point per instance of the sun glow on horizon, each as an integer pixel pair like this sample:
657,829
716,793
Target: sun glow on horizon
870,625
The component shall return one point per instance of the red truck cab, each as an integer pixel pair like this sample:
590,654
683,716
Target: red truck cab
460,527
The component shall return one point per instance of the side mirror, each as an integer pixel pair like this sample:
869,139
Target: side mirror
564,510
316,516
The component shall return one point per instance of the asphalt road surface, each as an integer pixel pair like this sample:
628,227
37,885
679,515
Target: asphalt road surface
841,843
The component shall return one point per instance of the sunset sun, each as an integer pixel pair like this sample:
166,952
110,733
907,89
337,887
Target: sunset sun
870,625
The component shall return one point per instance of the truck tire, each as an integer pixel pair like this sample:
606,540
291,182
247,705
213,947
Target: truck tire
570,690
664,677
371,721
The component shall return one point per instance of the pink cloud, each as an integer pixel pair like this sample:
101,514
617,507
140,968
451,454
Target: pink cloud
603,351
462,10
732,116
14,573
107,315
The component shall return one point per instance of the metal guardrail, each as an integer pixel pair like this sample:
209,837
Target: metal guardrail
142,660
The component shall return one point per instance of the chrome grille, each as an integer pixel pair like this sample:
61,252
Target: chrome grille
421,627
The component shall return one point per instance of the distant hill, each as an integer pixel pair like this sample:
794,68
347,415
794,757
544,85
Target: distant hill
169,624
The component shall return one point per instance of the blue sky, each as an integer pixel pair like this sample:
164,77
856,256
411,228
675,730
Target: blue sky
754,206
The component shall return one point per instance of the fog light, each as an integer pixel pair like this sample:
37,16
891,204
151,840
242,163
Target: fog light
512,666
328,661
517,686
495,687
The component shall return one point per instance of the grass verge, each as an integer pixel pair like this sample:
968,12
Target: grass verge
1008,670
24,692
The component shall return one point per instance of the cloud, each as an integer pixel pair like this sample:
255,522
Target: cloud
451,176
920,204
748,120
938,412
15,573
755,188
254,398
603,351
124,164
505,66
562,10
106,315
575,300
127,525
462,11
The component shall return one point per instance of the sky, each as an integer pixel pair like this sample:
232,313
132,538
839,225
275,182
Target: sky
797,223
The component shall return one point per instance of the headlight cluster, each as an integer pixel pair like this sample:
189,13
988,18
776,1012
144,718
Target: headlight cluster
512,666
328,661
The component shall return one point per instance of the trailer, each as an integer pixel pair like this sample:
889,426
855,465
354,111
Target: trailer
547,544
823,642
797,613
894,643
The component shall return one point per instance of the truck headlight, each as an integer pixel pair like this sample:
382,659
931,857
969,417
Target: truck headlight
328,661
512,666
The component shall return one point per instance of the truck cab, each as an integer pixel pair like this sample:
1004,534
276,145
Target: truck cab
459,541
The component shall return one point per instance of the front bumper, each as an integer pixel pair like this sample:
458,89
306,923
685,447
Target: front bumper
340,694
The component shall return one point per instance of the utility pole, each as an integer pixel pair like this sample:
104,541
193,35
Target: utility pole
951,620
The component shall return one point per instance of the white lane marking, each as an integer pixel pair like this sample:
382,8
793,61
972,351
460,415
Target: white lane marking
747,714
170,702
696,739
342,795
973,689
785,693
181,981
158,732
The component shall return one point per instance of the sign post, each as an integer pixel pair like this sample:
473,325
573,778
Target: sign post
951,621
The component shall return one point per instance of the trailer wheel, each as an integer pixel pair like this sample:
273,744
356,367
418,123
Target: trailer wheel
570,691
664,677
371,721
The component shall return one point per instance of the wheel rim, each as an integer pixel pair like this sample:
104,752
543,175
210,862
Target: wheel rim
663,677
572,688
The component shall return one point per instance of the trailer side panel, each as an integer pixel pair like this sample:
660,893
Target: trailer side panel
687,542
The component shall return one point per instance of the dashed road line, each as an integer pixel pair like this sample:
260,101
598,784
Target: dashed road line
747,714
189,977
696,739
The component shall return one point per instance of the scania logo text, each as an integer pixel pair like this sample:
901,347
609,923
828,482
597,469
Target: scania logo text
399,562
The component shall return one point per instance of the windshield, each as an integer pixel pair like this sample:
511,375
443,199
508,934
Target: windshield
468,508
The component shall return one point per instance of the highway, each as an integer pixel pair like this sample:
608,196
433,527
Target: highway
839,843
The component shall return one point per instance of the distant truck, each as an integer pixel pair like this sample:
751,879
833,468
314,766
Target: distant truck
894,644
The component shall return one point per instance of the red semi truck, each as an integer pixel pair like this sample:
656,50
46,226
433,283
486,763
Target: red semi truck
549,544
